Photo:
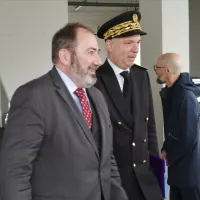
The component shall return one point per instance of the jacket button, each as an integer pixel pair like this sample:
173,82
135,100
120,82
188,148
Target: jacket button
144,161
145,140
146,119
133,144
134,165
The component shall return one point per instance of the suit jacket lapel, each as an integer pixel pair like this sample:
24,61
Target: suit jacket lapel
66,96
101,118
112,85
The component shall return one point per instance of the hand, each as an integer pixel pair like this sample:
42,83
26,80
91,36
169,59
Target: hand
163,155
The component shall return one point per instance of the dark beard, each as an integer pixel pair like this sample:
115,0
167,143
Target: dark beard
159,81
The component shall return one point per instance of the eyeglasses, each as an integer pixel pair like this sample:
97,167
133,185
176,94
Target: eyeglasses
156,67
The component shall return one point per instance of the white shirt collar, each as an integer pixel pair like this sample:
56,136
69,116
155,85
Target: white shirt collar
116,69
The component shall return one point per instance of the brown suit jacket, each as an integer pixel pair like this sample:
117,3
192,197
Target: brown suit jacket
48,152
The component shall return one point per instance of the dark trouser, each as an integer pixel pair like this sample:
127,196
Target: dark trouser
133,189
184,194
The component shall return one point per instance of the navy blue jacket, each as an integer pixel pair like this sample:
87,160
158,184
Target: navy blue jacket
181,127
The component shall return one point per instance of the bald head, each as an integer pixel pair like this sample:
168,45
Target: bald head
168,68
172,61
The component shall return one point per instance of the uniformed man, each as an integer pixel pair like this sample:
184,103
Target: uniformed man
127,90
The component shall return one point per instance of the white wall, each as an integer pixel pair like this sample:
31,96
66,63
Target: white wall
26,30
175,29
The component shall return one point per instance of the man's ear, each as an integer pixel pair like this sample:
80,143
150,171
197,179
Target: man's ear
65,56
109,45
167,70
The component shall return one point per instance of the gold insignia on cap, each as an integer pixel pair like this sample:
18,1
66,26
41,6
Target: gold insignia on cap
124,27
135,17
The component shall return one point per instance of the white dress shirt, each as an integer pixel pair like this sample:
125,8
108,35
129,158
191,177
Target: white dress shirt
117,72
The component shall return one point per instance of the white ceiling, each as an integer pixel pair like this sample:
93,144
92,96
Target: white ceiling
99,9
107,1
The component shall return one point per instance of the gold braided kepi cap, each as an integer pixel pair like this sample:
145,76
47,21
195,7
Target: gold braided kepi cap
123,25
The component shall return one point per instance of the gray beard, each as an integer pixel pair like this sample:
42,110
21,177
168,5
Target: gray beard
80,75
159,81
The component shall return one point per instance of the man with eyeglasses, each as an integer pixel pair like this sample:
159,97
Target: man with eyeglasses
181,111
159,79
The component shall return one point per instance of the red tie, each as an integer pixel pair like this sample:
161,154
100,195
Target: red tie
87,114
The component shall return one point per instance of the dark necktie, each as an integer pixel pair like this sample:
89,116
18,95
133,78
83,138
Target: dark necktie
87,114
127,90
126,87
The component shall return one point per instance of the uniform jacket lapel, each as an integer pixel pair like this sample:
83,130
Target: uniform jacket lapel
111,83
138,97
66,96
136,101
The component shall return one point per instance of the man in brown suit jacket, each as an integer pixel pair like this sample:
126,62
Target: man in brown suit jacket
58,141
